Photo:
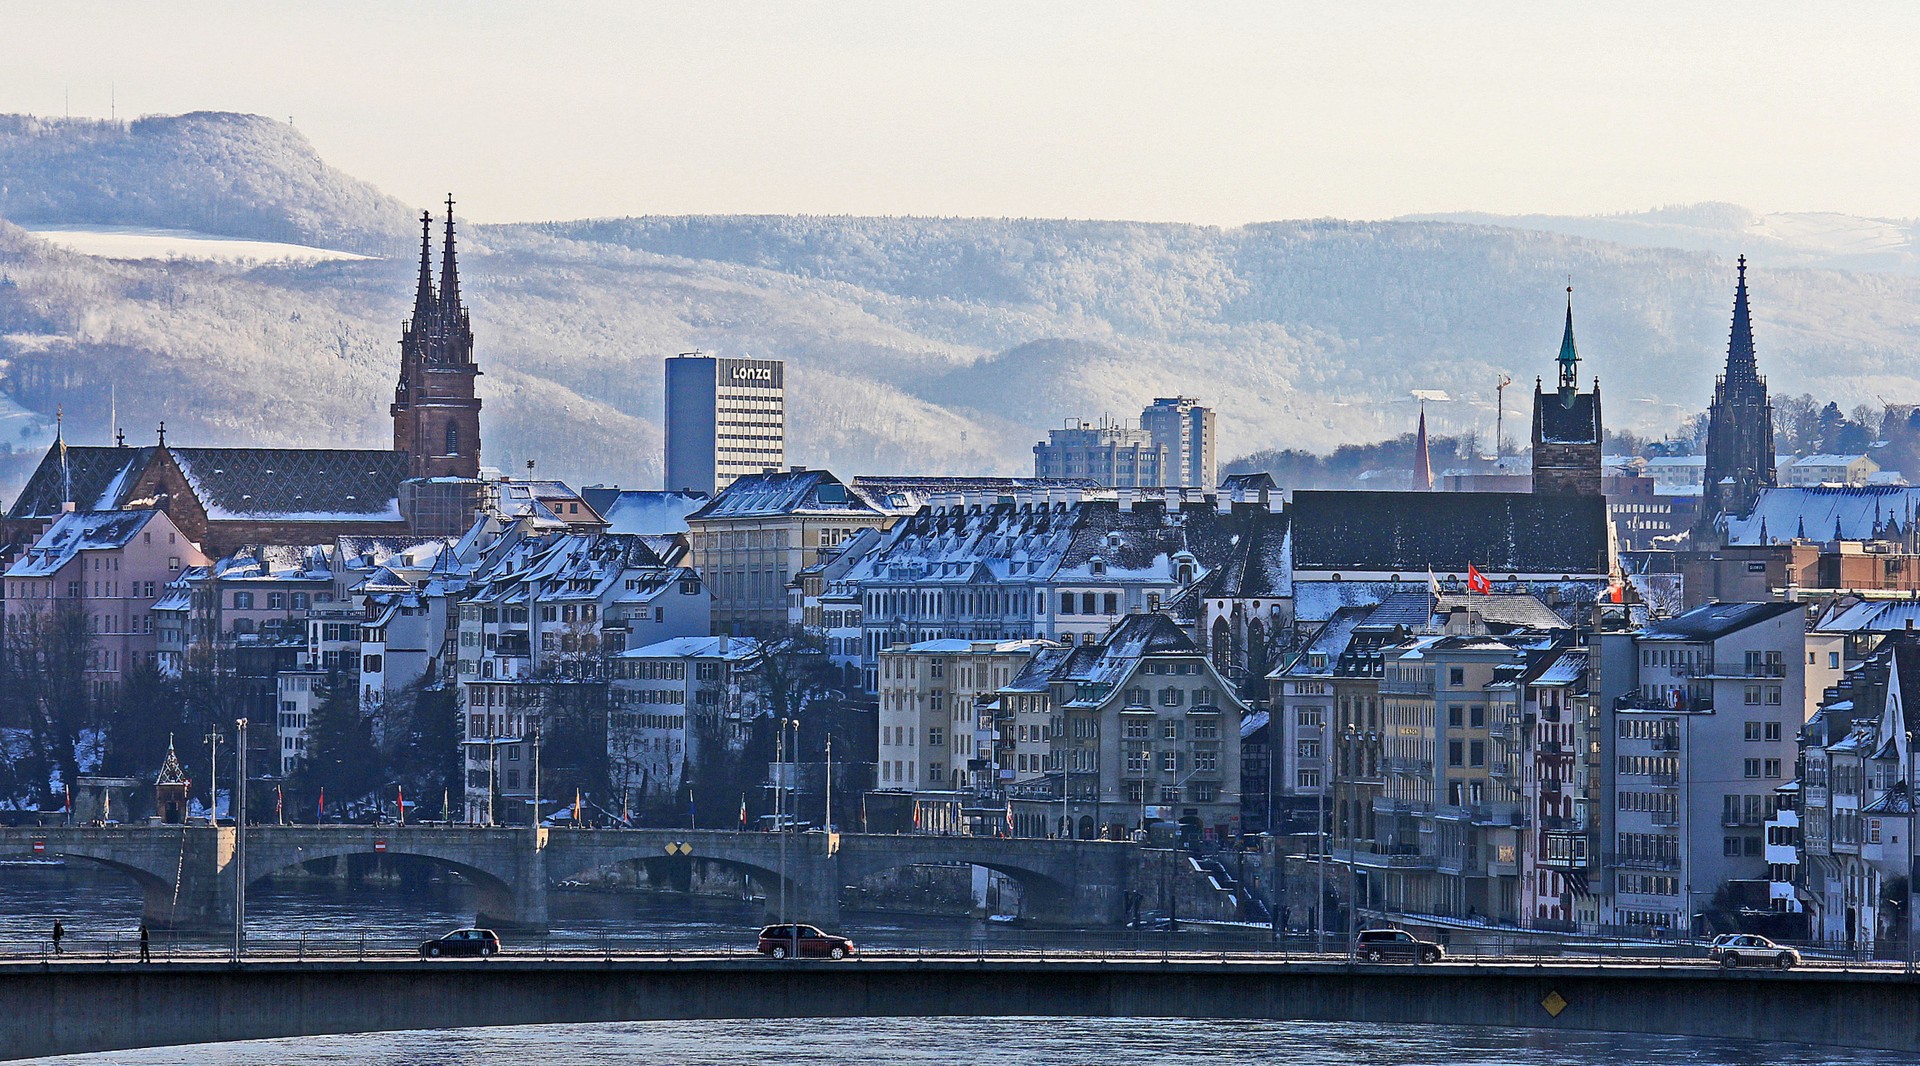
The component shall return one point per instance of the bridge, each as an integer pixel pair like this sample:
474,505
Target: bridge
69,1008
186,873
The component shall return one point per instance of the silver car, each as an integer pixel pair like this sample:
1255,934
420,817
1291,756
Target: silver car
1748,949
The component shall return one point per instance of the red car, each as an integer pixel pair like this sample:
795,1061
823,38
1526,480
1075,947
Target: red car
781,941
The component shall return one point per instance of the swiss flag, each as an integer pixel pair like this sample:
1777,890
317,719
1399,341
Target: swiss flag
1477,581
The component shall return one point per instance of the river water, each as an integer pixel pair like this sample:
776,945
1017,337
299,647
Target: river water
99,906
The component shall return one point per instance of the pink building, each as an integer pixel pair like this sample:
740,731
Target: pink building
110,566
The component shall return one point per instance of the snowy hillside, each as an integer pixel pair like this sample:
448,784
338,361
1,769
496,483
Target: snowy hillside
915,345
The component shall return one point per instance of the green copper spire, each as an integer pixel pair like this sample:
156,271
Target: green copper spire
1569,356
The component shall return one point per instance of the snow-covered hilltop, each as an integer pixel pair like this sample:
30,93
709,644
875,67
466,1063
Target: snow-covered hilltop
914,345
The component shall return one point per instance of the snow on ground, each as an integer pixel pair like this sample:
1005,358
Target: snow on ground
138,242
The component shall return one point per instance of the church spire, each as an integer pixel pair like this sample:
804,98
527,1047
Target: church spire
1742,368
424,298
1422,462
449,273
1569,355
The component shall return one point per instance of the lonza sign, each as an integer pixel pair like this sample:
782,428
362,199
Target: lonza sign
753,373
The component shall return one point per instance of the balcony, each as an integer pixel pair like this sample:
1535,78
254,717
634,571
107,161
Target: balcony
1669,742
1642,862
1665,817
1411,860
1423,767
1664,780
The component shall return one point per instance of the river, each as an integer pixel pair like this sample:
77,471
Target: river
97,905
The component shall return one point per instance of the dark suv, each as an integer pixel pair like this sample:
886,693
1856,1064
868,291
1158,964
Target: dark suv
781,941
1379,945
481,942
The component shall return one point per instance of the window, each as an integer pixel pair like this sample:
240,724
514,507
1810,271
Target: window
1110,604
1773,731
936,737
1456,676
1477,717
1753,695
1455,752
1753,731
1773,768
1752,768
1066,603
300,599
276,601
243,601
1477,753
1454,716
1171,697
453,439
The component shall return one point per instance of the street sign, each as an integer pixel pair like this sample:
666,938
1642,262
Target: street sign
679,848
39,847
379,845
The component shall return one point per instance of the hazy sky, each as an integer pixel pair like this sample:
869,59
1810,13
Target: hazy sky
1208,112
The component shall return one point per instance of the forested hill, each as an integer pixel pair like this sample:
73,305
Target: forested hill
915,345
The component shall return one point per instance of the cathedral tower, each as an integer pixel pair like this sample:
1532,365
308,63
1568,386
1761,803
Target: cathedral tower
1566,427
436,416
1739,430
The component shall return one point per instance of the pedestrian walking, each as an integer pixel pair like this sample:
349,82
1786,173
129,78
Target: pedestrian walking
59,934
146,954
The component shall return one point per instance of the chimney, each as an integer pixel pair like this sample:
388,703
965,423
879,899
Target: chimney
1125,499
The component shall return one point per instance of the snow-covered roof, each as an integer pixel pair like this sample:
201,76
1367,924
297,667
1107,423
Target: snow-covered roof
643,512
731,649
785,492
1860,512
331,485
75,532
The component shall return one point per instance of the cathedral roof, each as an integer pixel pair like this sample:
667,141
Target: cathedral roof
1409,532
100,479
295,484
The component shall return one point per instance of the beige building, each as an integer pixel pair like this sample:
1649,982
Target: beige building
762,530
940,739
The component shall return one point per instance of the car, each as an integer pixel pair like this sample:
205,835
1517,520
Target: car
1748,949
1379,945
782,941
481,942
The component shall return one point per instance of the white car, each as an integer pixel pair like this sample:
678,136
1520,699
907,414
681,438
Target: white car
1747,949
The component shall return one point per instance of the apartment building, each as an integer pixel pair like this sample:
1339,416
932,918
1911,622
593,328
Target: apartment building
668,700
949,737
751,540
1142,731
108,568
1700,743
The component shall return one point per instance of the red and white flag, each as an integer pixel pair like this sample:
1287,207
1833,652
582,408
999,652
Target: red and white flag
1477,581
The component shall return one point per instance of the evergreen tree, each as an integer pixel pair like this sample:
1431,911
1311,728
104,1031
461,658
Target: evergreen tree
341,757
424,741
146,711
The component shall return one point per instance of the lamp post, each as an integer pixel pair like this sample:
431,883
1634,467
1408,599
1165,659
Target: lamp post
240,839
213,777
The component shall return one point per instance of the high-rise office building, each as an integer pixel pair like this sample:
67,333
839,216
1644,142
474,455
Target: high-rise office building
726,418
1113,455
1185,429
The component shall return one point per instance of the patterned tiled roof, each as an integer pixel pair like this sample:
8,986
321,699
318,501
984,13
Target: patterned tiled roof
100,478
295,484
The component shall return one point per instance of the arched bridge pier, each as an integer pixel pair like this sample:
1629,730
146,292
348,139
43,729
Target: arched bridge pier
186,873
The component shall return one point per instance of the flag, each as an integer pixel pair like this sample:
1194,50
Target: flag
400,803
1433,584
322,815
1616,592
576,806
279,805
863,811
69,789
916,817
1009,814
1477,581
743,810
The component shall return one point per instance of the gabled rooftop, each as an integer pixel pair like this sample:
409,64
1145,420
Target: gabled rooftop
1715,620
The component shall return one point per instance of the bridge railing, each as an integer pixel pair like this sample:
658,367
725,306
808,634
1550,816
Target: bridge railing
1133,945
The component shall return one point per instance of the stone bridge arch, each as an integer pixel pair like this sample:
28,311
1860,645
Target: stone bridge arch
510,889
156,861
810,882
